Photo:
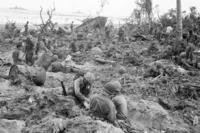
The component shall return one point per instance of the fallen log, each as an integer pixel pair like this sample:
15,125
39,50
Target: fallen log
59,67
141,37
22,73
103,61
4,76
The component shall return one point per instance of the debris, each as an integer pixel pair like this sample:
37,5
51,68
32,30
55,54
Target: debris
11,126
25,74
92,24
122,70
96,51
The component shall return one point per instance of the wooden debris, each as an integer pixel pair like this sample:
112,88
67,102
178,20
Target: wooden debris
21,73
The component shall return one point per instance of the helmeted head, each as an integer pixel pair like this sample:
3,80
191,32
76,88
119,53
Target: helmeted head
183,54
89,77
54,58
19,46
112,87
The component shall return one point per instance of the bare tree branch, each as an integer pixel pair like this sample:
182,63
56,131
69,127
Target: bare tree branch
41,9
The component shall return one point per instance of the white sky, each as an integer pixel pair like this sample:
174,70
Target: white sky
114,8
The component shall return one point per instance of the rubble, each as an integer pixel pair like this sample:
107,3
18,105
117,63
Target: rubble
92,24
22,74
11,126
151,117
76,125
162,94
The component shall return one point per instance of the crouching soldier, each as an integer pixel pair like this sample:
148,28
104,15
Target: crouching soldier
81,88
103,107
17,55
113,90
29,52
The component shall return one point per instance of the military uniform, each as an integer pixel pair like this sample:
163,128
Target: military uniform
112,104
121,106
121,34
113,89
81,88
29,51
103,107
16,57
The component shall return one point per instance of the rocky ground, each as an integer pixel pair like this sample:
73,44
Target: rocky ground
162,97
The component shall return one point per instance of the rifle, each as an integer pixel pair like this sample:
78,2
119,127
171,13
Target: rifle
63,89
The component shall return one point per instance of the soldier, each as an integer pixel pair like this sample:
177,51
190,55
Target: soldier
81,88
121,34
41,48
29,52
103,107
189,51
26,28
72,27
17,55
113,90
107,31
73,46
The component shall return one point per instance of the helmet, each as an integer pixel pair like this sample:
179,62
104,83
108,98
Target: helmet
122,70
89,77
69,58
55,57
112,87
183,54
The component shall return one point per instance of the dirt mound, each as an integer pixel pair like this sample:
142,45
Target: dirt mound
81,124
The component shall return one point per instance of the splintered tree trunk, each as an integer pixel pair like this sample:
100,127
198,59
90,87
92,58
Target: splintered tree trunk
179,20
27,74
44,61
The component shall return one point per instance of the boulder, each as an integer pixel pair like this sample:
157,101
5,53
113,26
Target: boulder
11,126
147,115
81,124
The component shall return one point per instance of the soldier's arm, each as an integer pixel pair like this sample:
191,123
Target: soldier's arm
121,104
16,57
43,47
21,56
77,90
112,113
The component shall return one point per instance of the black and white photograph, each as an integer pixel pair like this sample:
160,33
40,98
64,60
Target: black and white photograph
99,66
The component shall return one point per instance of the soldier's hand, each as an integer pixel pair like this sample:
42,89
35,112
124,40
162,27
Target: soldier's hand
87,100
61,78
86,104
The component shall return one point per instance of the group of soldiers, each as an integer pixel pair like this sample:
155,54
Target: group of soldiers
185,53
110,105
26,51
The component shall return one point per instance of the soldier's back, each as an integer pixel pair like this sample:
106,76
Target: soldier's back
121,106
103,107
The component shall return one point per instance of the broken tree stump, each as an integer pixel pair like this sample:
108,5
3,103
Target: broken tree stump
24,73
45,60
